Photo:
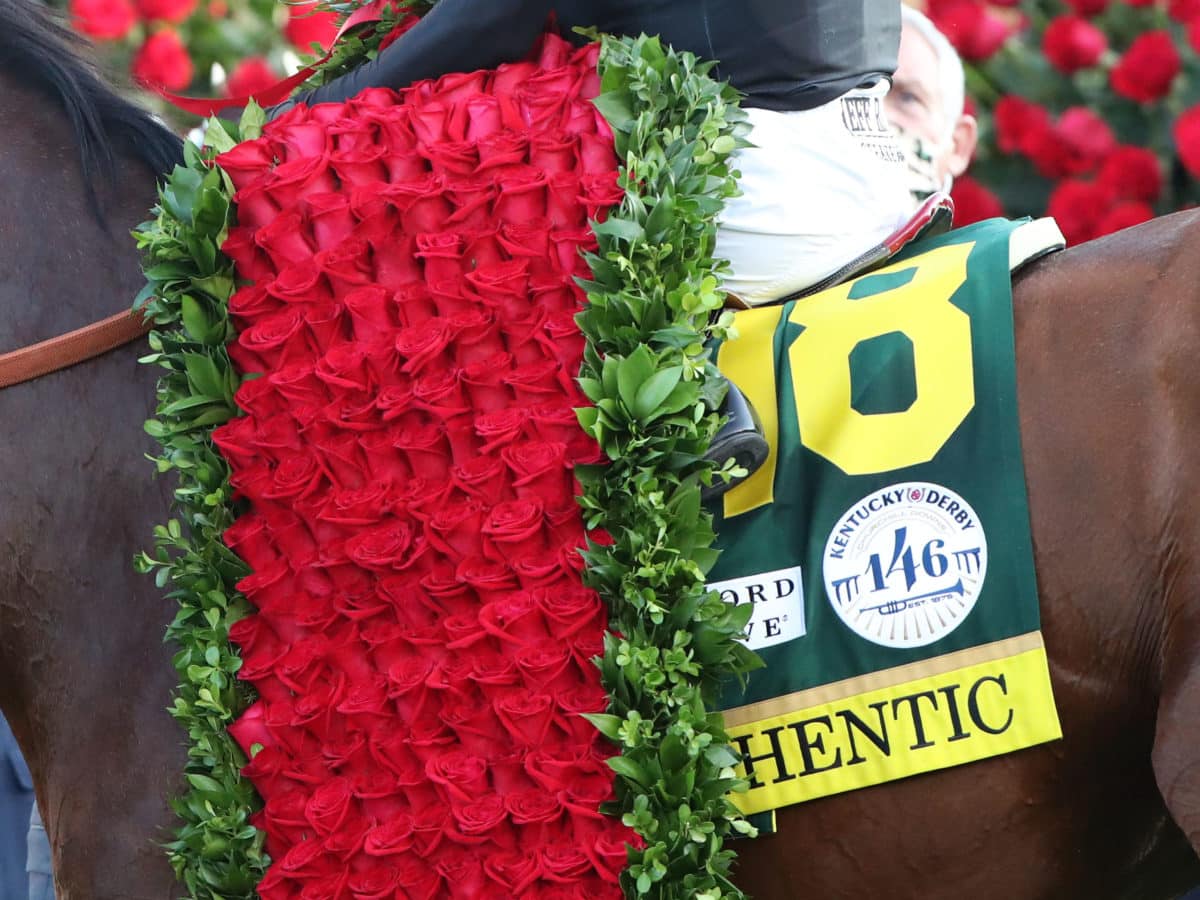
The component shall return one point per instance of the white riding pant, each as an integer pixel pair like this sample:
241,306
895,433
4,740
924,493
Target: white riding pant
819,187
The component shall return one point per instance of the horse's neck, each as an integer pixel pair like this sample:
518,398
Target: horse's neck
84,675
62,266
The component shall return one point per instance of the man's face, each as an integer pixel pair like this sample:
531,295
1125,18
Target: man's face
915,105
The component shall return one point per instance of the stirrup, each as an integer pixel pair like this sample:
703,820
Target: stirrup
741,437
933,217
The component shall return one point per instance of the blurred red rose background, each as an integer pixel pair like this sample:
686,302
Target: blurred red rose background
1089,109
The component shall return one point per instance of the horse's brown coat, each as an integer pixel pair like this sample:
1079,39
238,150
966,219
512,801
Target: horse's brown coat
1109,390
84,674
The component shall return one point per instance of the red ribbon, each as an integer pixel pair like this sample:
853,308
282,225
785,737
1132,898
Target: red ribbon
281,90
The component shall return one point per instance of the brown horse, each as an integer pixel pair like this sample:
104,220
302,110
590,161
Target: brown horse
1107,337
84,674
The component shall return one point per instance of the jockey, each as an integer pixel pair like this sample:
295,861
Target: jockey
824,181
926,107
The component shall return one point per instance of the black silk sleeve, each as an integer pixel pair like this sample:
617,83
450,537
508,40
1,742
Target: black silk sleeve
455,36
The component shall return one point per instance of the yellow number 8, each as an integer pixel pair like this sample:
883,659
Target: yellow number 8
819,359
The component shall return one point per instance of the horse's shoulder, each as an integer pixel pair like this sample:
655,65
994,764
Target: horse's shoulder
1165,250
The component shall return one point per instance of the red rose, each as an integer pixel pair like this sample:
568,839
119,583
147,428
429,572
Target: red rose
250,729
1186,132
249,538
299,284
973,202
514,526
1133,173
516,870
361,167
1078,143
483,478
452,159
548,668
283,819
536,382
105,20
296,477
609,852
1072,43
486,385
285,240
564,863
1088,7
373,884
535,570
290,182
163,61
1078,206
599,193
975,32
442,255
249,77
419,880
383,547
247,162
1184,11
540,469
372,313
454,529
297,133
1146,70
346,265
464,776
490,580
461,868
571,611
485,817
329,806
558,422
173,11
423,346
596,154
1124,215
563,209
272,341
426,451
522,196
390,838
527,715
306,27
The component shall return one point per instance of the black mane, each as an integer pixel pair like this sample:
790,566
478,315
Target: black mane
40,51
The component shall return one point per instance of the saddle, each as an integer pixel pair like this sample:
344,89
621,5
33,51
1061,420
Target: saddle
741,436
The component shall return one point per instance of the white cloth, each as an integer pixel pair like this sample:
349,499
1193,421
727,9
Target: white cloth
819,188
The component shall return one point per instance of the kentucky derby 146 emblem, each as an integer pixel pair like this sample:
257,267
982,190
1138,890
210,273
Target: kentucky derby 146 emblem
904,565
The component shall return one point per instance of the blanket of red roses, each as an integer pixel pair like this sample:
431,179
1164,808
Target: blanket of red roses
422,643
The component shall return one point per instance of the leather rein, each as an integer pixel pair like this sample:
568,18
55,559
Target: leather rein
80,345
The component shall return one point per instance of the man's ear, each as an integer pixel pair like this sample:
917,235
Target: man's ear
962,141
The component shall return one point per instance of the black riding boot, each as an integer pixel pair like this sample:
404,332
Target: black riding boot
741,437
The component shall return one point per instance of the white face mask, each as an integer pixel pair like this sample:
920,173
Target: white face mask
920,170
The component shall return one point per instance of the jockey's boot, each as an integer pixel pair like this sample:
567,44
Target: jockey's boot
741,437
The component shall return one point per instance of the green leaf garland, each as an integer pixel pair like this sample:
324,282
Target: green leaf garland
655,392
217,854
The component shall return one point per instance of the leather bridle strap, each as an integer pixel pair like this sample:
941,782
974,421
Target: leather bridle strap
68,349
